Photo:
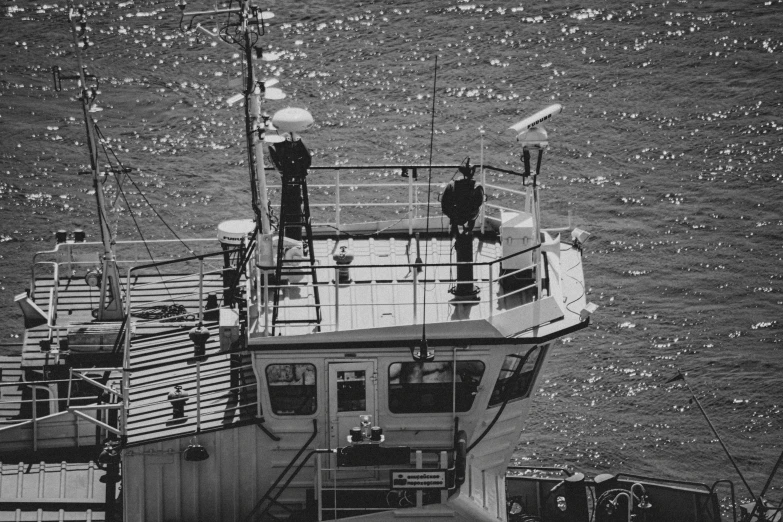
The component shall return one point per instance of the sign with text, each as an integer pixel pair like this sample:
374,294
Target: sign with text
418,479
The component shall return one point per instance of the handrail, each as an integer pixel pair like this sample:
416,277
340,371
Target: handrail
401,166
267,495
303,265
733,498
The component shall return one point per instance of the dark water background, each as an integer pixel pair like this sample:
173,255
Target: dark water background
668,151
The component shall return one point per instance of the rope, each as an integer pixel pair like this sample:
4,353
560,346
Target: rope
159,312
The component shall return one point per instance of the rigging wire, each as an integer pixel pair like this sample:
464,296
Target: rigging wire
125,171
144,241
423,351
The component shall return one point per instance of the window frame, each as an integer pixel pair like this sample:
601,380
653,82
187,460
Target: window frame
271,396
542,349
474,392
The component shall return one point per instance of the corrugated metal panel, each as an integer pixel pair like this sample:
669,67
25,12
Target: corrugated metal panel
164,360
51,491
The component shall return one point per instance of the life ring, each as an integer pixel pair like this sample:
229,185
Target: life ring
294,254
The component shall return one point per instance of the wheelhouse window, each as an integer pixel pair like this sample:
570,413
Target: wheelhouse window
351,391
292,388
516,376
427,387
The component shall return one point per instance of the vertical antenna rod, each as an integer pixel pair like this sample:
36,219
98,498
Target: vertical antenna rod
424,353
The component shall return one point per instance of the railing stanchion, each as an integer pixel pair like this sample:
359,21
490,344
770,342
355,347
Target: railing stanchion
491,291
35,418
319,485
70,382
337,200
126,355
410,204
336,299
483,183
415,292
200,290
198,396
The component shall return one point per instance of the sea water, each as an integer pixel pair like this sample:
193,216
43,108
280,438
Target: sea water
667,151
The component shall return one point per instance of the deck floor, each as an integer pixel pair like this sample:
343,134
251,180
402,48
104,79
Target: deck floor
382,290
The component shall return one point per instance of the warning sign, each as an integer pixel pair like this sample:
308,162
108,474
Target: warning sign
418,479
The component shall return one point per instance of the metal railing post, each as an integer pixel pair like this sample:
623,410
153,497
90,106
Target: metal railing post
319,485
415,293
410,204
70,382
35,418
491,292
126,356
200,290
337,200
483,183
336,299
198,397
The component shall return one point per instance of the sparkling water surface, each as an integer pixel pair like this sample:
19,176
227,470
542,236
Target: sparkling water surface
667,151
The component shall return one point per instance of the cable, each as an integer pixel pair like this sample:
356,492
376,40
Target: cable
144,242
429,192
580,284
119,186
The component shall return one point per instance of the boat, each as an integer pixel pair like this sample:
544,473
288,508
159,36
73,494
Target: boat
291,369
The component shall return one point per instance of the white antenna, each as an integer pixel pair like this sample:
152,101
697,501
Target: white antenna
538,118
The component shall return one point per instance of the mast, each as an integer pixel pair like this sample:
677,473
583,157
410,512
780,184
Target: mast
255,127
250,27
110,306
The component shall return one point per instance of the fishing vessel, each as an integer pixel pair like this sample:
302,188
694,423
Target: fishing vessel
297,369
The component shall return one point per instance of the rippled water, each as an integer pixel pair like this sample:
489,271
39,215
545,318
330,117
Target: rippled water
668,151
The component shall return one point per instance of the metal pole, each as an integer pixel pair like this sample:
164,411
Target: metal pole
266,302
200,290
336,299
415,292
35,418
410,204
483,183
126,357
712,427
198,397
337,200
491,292
110,276
319,485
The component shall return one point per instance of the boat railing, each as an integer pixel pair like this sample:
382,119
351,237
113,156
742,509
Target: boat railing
74,256
492,294
343,193
328,481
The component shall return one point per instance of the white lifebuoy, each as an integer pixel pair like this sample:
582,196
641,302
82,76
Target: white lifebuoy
294,254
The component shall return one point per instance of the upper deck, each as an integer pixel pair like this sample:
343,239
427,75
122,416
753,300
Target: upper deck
389,296
402,274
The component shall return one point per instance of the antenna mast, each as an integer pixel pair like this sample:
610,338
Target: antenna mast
110,306
249,28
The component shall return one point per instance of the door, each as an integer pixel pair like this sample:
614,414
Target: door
351,394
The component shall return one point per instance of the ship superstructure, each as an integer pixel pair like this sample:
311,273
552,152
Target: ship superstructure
296,368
